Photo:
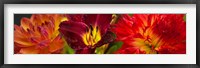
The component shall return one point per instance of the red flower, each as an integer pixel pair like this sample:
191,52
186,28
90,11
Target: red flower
85,32
151,33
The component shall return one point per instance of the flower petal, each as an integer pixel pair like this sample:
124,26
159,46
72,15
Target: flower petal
76,17
173,49
85,50
29,50
152,33
20,37
75,27
25,23
72,32
102,21
56,44
107,38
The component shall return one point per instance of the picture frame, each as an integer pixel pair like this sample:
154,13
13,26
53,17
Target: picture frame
2,3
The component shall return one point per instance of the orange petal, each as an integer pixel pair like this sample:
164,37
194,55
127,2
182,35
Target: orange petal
56,44
44,51
29,50
23,41
25,23
58,19
36,20
45,18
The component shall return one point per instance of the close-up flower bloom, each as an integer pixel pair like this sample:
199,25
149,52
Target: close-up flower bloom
101,34
39,34
151,34
85,32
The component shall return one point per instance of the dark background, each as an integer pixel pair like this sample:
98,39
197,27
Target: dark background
17,18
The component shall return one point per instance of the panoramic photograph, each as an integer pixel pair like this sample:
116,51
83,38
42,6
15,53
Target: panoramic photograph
100,33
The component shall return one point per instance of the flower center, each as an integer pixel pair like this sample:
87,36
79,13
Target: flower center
92,36
150,45
149,42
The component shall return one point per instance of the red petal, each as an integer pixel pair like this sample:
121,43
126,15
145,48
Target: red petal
102,21
76,17
78,28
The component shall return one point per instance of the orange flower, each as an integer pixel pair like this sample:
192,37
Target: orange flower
152,33
39,34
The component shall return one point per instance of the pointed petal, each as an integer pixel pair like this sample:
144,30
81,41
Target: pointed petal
44,51
43,32
102,21
124,24
58,19
130,50
29,50
76,17
56,44
20,37
171,28
16,48
107,38
85,50
74,40
75,27
38,19
72,32
25,23
179,48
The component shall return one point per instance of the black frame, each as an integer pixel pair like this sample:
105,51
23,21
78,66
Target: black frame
2,2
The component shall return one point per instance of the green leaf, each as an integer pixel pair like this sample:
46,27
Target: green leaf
114,47
67,49
70,50
114,35
130,14
184,17
102,49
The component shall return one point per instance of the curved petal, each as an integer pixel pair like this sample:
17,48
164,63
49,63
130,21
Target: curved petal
179,48
107,38
58,19
102,21
16,48
38,33
56,44
20,37
75,27
29,50
124,24
171,28
85,50
81,27
73,32
25,23
130,50
76,17
39,19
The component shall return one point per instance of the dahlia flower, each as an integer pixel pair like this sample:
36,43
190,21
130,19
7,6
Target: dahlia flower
151,34
39,34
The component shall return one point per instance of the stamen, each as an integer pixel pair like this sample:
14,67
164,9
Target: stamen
92,35
96,32
91,27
